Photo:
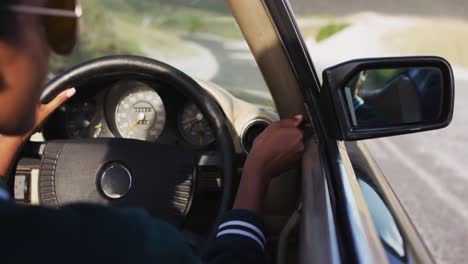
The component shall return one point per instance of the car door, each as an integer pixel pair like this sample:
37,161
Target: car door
372,226
349,213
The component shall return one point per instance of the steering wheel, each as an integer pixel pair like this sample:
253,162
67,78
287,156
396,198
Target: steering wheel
132,173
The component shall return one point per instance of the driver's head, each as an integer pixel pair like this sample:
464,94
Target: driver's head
26,32
24,56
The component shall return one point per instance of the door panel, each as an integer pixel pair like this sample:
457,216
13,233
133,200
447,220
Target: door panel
318,241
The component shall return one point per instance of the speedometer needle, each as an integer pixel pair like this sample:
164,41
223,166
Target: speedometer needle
141,117
198,117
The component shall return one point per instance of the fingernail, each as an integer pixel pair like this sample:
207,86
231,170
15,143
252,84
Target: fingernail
71,92
298,116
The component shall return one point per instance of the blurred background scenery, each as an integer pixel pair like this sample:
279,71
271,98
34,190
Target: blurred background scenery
428,171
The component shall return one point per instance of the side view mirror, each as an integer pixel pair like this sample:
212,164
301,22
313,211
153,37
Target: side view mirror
369,98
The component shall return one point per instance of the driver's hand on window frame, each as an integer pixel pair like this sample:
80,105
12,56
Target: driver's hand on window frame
278,149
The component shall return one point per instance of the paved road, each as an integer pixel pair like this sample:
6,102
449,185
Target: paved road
429,173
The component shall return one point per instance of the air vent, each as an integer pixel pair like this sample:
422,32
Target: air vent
251,132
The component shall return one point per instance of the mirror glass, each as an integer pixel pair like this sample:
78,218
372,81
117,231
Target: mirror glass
388,97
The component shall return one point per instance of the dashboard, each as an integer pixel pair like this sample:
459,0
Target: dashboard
156,112
131,109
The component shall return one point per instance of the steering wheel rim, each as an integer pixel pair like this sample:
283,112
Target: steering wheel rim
156,71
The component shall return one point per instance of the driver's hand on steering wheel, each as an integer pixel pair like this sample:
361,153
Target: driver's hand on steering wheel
276,150
11,145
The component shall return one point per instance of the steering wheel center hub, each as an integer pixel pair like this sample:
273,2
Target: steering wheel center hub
115,181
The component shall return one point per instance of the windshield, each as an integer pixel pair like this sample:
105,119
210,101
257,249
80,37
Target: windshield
200,38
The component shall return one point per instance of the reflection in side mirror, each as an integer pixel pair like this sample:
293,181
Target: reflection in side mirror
394,96
378,97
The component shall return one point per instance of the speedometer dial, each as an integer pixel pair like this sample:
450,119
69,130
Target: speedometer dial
140,113
194,127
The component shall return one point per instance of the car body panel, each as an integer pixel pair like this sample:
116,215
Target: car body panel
386,202
317,235
359,239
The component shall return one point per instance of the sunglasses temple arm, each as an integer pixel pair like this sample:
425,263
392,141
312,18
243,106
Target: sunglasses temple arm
43,11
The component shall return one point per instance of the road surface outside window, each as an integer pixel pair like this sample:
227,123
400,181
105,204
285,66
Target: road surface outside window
428,171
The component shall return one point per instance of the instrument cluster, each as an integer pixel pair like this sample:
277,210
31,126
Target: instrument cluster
135,110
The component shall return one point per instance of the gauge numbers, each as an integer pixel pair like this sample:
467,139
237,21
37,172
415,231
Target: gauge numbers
194,127
140,114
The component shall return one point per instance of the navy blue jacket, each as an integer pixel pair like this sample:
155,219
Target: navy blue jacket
85,233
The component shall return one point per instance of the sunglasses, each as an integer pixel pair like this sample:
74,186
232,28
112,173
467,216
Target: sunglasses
60,20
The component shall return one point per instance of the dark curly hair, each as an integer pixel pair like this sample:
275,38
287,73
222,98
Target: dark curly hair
7,20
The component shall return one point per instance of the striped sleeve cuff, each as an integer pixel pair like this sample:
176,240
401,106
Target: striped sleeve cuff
243,224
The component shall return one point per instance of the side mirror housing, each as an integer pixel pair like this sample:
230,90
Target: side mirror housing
370,98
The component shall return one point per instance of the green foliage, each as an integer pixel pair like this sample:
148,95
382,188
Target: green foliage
97,38
115,26
182,16
217,6
383,74
110,27
330,30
